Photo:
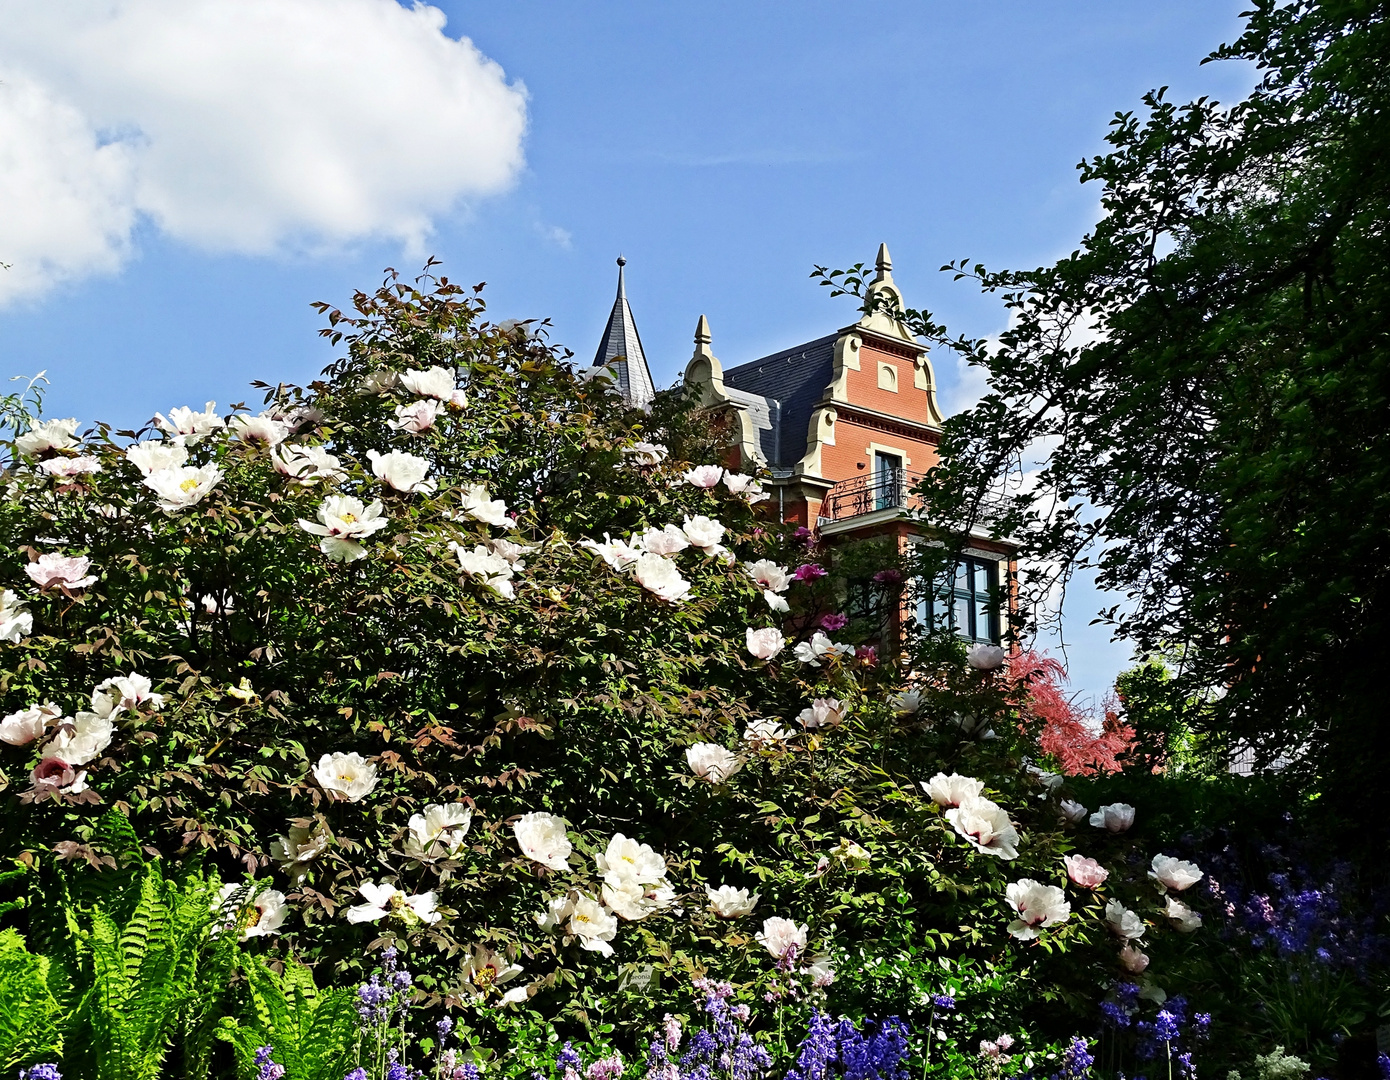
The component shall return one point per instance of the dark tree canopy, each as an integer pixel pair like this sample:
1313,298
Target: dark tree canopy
1205,384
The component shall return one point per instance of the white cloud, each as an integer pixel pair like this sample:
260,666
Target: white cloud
249,126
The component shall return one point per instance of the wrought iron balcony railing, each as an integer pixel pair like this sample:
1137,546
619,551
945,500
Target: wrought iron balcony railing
859,495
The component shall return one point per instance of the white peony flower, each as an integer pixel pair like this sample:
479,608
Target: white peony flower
818,648
617,554
1115,817
765,643
346,777
730,903
986,826
1174,874
124,692
1183,918
487,567
66,468
542,839
475,502
154,456
626,859
766,732
307,464
776,603
712,762
953,790
627,899
268,908
822,974
189,426
343,521
65,571
82,741
659,576
402,471
437,833
594,926
23,727
1038,905
47,435
985,657
557,910
1073,812
749,488
1133,961
378,381
262,431
704,533
383,900
782,937
645,453
434,382
417,417
484,970
302,846
702,476
513,553
1122,921
179,488
822,712
666,541
1049,781
15,618
768,575
906,702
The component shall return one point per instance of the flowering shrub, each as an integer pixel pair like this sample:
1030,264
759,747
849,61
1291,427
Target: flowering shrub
451,654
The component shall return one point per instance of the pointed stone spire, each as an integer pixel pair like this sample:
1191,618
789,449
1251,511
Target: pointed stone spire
621,349
883,264
702,332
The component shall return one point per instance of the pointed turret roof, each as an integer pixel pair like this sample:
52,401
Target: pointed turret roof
621,349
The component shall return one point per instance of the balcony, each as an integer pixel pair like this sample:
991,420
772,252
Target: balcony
892,490
860,495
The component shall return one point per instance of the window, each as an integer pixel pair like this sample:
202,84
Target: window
967,604
888,481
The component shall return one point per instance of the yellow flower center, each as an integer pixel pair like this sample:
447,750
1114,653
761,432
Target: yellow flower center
190,484
349,518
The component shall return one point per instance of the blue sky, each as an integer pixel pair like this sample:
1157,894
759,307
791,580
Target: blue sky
723,148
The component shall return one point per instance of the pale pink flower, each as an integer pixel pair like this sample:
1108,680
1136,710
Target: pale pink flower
435,382
69,468
769,575
1134,961
189,426
703,476
65,571
47,435
23,727
417,417
1073,812
401,471
985,657
1123,922
782,937
822,712
765,643
667,541
1087,873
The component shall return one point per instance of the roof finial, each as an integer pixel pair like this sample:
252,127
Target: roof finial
702,332
622,261
884,264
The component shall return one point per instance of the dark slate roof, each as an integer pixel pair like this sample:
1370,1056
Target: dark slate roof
791,381
621,347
